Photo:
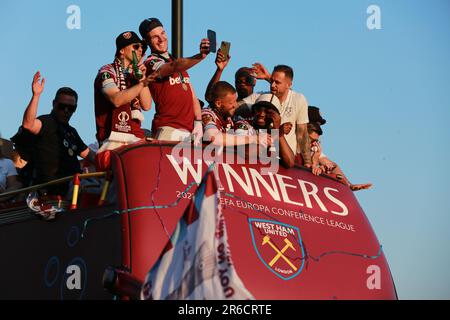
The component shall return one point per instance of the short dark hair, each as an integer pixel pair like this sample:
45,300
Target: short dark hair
285,69
67,91
243,72
221,89
246,73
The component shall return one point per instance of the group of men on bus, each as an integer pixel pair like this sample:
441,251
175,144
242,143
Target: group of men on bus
125,88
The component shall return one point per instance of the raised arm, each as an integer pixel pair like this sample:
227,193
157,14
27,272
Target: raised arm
29,120
183,64
227,140
221,63
261,72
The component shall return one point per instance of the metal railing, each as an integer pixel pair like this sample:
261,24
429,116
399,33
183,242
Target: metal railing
76,186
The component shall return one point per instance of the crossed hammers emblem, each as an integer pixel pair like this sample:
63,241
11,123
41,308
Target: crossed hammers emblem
266,240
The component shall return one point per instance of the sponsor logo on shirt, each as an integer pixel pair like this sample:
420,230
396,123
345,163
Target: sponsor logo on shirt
178,80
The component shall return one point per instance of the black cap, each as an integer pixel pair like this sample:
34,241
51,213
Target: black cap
126,38
148,25
314,115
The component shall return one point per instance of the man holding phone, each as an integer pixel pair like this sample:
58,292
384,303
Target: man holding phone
244,82
178,111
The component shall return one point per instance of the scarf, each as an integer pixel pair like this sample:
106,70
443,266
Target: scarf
122,85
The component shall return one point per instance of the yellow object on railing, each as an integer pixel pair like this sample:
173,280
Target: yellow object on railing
105,189
76,186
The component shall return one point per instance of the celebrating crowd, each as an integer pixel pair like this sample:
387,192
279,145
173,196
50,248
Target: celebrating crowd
127,87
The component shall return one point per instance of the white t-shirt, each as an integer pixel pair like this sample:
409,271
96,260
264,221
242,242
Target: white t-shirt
294,110
7,169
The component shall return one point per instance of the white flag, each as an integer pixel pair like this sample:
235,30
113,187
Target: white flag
196,262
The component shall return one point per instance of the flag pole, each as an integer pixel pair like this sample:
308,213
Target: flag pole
177,28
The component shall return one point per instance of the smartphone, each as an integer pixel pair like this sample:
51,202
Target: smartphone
212,40
225,48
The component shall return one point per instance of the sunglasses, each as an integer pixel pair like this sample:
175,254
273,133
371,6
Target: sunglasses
137,46
248,80
70,107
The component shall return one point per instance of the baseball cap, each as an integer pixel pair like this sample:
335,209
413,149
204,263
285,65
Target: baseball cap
126,38
314,115
148,25
269,101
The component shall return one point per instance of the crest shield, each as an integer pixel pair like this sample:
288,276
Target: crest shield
279,247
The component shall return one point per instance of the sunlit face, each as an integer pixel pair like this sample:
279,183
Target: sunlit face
227,105
280,84
260,117
127,52
157,40
64,106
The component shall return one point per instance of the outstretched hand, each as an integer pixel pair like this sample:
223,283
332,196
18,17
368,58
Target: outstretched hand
151,78
204,47
317,171
328,165
143,69
221,60
37,87
261,72
275,117
285,128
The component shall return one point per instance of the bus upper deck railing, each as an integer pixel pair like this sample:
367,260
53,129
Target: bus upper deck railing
76,183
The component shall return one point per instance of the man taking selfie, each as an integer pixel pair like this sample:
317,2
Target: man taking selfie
177,109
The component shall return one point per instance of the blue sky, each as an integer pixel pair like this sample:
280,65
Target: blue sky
383,93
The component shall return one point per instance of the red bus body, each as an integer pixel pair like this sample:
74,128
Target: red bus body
331,252
339,257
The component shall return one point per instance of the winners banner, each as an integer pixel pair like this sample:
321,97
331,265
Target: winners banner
286,228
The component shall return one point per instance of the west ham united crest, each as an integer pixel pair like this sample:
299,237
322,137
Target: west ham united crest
279,246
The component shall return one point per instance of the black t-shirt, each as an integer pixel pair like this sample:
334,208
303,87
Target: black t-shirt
56,149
